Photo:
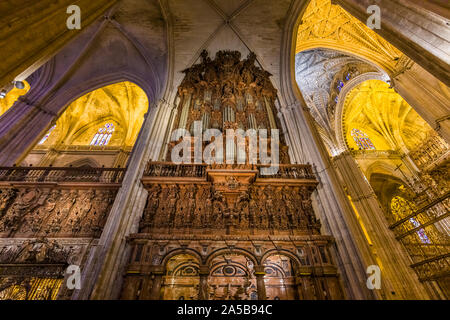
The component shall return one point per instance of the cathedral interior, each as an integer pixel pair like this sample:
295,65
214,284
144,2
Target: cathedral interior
358,116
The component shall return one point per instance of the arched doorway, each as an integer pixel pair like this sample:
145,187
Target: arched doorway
280,278
182,279
232,278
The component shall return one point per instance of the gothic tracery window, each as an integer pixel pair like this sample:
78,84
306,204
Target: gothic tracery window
103,135
362,140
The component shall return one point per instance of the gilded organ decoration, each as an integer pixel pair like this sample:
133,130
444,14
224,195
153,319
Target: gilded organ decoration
30,288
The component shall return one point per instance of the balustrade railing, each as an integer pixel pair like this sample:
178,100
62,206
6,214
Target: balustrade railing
430,151
56,174
425,234
289,171
167,169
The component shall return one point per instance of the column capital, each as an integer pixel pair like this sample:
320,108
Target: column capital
260,271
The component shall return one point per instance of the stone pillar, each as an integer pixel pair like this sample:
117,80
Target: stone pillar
428,96
157,275
330,203
260,284
388,253
435,6
419,33
43,25
203,289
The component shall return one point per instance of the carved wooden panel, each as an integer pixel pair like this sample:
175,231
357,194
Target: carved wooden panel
187,207
54,212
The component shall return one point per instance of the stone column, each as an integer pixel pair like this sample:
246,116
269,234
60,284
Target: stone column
435,6
428,96
122,158
260,284
330,203
417,32
203,289
388,253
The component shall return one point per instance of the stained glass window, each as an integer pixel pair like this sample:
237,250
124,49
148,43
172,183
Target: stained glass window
421,233
47,135
103,135
402,208
362,140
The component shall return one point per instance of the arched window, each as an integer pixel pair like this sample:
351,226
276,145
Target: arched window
49,132
362,140
103,135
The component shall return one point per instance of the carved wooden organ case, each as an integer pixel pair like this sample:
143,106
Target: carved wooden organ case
225,231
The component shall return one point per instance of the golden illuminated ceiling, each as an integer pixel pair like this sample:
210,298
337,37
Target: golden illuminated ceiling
12,97
329,26
123,104
331,41
384,116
